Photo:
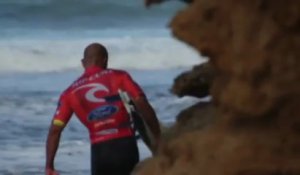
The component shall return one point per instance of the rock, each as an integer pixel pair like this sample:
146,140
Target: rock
254,64
196,82
253,46
197,117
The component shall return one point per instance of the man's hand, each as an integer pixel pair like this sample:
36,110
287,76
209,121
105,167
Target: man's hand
51,148
150,2
149,116
50,171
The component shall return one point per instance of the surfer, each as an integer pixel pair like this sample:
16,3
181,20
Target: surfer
94,98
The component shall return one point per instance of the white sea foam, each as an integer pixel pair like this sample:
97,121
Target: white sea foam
43,55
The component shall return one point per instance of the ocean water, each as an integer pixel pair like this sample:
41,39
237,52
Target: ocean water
41,46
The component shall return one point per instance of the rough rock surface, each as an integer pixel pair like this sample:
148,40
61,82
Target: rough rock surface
189,120
253,46
196,82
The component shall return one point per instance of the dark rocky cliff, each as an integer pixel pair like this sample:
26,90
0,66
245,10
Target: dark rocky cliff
253,47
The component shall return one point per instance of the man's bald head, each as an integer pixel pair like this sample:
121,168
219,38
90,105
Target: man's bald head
95,54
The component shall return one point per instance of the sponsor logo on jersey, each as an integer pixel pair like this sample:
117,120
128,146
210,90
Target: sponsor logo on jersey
90,94
104,122
103,112
108,131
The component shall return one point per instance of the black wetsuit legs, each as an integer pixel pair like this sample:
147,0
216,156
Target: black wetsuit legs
114,157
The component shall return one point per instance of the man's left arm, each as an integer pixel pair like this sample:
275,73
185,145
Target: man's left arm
151,2
149,116
143,107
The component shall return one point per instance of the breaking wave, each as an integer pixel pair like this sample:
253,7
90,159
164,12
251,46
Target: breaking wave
142,53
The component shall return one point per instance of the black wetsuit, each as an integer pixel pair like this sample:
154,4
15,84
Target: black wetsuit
114,157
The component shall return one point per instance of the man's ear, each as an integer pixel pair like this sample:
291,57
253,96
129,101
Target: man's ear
105,61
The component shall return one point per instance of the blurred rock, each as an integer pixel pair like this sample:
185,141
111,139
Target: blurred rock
253,46
196,82
197,117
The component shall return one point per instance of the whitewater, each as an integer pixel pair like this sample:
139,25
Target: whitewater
129,52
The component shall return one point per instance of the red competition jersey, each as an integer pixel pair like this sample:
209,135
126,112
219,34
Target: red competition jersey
88,98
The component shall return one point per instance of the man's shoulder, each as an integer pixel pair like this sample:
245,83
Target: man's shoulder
118,71
68,90
78,82
82,80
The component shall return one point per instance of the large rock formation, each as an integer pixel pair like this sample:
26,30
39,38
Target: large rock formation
253,46
196,82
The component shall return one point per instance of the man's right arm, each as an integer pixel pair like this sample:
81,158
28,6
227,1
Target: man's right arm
62,116
51,148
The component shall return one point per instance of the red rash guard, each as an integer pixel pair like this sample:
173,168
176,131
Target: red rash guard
86,97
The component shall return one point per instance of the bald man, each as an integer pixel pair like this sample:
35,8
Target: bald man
92,97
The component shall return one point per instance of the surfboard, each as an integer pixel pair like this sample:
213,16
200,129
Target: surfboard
138,123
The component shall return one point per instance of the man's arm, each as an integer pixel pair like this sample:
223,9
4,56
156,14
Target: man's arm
143,107
149,116
150,2
61,118
51,147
